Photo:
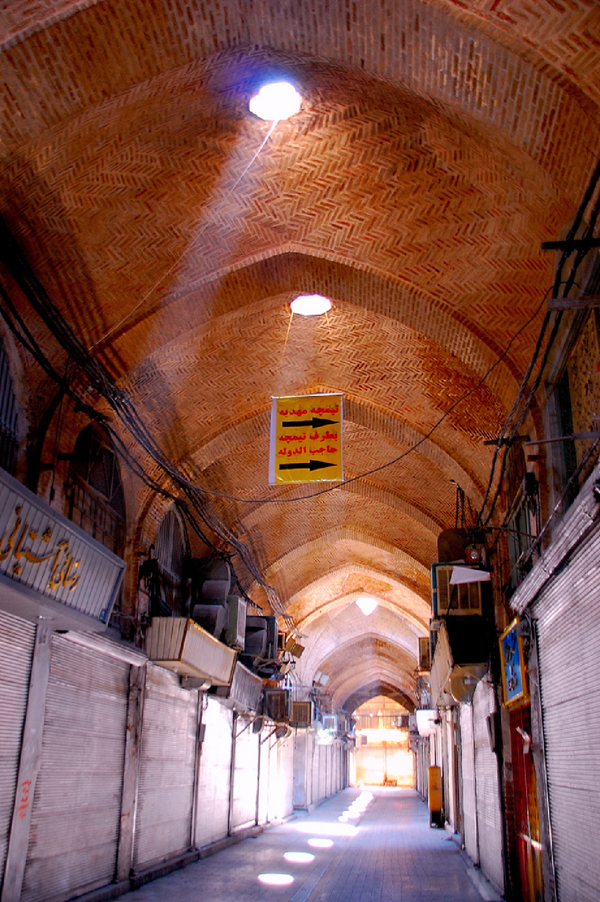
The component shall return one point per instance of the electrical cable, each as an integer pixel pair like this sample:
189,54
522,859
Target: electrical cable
503,439
15,262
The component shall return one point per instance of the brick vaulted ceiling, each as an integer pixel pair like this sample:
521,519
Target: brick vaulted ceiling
438,145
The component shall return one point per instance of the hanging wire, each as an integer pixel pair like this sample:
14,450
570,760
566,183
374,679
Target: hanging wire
560,288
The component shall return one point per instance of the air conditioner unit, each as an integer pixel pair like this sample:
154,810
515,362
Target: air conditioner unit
424,654
217,583
447,599
330,722
181,645
235,635
294,648
276,705
302,714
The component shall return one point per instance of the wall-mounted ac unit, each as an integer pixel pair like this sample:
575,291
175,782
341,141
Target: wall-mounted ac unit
276,705
217,583
235,634
293,647
302,714
447,599
330,722
245,692
182,646
424,654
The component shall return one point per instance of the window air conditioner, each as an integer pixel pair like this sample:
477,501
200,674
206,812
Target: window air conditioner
424,654
330,722
302,714
276,705
446,599
235,635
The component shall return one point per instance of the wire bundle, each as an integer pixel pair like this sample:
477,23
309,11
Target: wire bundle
192,499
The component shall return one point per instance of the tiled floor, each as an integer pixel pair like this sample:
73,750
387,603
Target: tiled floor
390,854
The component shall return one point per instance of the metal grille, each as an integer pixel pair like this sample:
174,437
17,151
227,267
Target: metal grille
94,495
170,553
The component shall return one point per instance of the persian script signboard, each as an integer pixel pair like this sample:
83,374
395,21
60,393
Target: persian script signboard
43,552
306,439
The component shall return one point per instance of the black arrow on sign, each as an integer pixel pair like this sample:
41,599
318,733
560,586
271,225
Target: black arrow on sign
314,423
312,465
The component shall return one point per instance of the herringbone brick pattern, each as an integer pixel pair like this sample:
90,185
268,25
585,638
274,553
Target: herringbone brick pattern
438,145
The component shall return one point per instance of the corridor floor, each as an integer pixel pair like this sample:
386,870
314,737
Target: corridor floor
388,854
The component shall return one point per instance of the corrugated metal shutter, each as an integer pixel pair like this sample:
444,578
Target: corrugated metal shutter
167,762
77,803
243,812
489,818
569,663
285,761
468,782
277,779
17,639
213,784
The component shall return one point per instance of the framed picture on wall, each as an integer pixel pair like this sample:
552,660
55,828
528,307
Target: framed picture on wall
512,659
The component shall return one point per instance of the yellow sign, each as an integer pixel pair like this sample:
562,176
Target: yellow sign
306,439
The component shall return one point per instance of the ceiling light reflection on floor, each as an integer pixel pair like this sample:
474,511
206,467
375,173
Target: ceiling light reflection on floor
276,879
328,829
299,857
319,842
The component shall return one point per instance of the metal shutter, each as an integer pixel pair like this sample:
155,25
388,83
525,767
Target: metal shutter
285,771
245,778
568,630
77,802
489,818
167,763
17,638
468,782
213,781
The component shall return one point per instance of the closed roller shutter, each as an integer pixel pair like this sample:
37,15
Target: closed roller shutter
489,819
277,778
265,789
568,640
213,784
167,761
17,639
285,766
243,812
468,782
77,802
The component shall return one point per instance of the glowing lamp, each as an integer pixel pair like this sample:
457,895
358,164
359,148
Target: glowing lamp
275,101
310,305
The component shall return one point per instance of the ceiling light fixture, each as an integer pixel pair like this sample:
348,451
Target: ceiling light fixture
366,604
310,305
275,101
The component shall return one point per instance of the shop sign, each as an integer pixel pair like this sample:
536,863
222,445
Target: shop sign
45,552
512,659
